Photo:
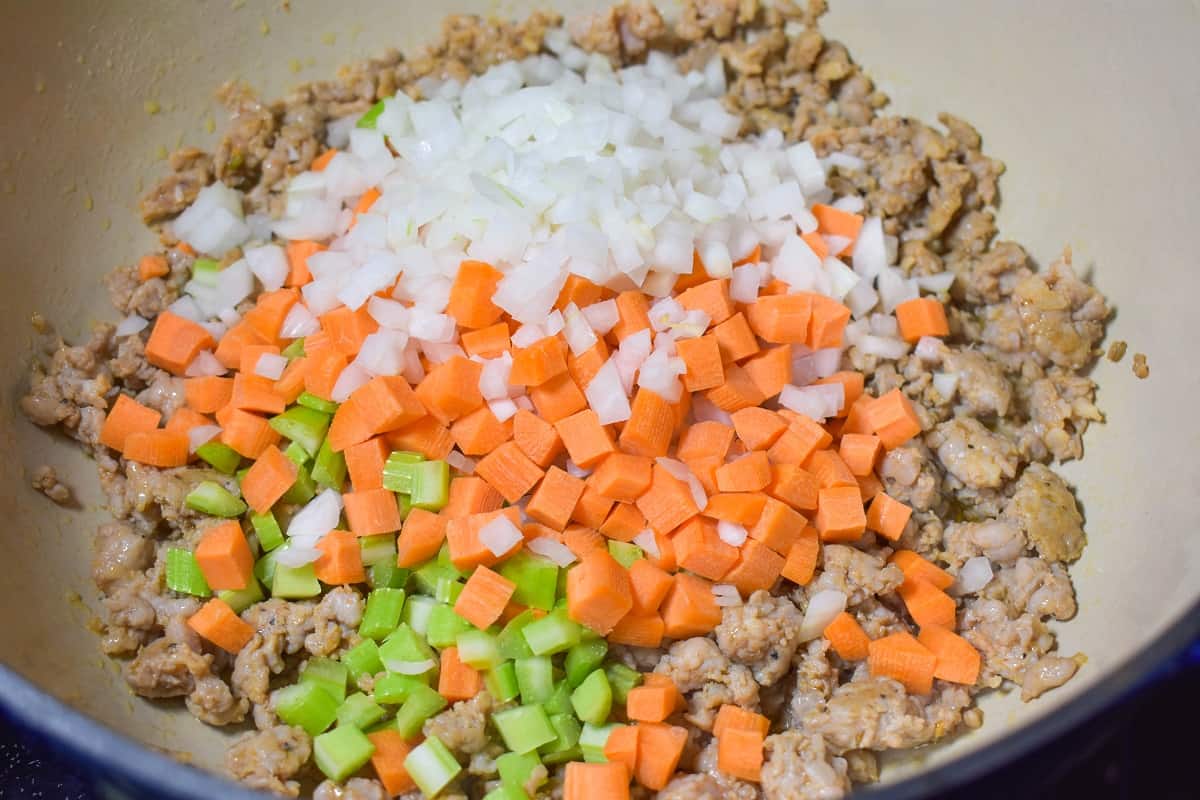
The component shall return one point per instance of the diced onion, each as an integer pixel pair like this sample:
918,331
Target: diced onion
503,409
726,595
975,574
409,667
929,348
606,395
731,533
204,365
557,552
269,264
460,462
270,366
294,555
500,536
648,543
946,384
299,322
822,608
130,325
576,471
602,316
351,378
317,518
680,471
202,434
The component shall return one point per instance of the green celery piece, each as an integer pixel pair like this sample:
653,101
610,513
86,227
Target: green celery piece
393,689
386,575
302,425
303,490
501,682
505,792
565,746
220,457
369,119
443,559
624,552
359,711
329,468
561,589
342,752
516,769
240,475
295,583
205,271
553,633
583,658
404,646
295,350
377,548
264,569
363,659
535,677
592,700
306,705
621,679
210,497
444,626
431,485
266,527
536,579
398,471
559,701
478,649
448,589
296,454
382,614
422,703
417,609
525,728
313,402
512,638
241,599
592,740
427,575
183,573
431,766
405,504
328,674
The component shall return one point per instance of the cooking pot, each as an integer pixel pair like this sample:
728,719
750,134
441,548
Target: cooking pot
1094,107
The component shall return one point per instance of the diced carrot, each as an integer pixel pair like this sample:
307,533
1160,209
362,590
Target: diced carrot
367,200
372,511
740,754
770,370
778,526
186,249
887,516
736,718
690,609
795,486
207,394
623,523
352,424
650,427
229,350
341,562
291,383
705,470
509,471
322,161
711,297
470,494
860,452
902,657
184,419
648,586
699,549
175,341
586,440
217,622
660,747
781,319
638,630
708,439
757,567
471,295
735,338
855,420
348,329
127,416
583,367
742,508
818,244
462,534
598,591
622,477
802,558
451,389
298,253
622,745
539,362
426,436
852,384
387,403
247,433
596,781
633,314
921,316
483,597
957,660
928,605
487,342
388,761
364,463
256,393
159,448
847,637
224,557
665,560
322,369
668,502
829,469
758,428
581,540
832,221
592,508
840,516
152,266
893,418
580,291
812,436
868,487
269,312
456,680
554,499
421,536
558,398
268,479
537,438
738,391
479,432
702,357
651,703
916,568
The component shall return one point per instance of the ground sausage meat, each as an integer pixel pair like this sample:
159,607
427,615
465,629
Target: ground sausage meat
799,766
270,759
761,634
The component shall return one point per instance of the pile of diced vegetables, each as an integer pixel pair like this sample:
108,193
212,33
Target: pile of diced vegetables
545,363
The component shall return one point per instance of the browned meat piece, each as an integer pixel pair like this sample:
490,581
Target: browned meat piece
762,634
873,714
270,759
911,476
1000,540
974,455
858,574
983,389
703,672
1060,408
1044,507
191,171
1062,318
164,394
703,18
1007,642
627,29
816,679
463,726
45,480
799,766
147,496
1049,672
703,787
119,553
353,789
1034,587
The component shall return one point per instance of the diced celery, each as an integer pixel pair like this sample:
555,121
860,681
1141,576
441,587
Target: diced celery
593,738
444,626
583,658
446,562
394,689
302,425
505,792
363,659
303,490
210,497
205,271
592,700
501,682
512,638
535,677
431,485
369,119
220,457
448,589
360,711
329,468
328,674
183,573
405,647
565,746
399,471
306,705
342,752
386,575
312,401
382,613
553,633
241,599
559,701
295,583
377,548
524,728
478,649
431,766
405,504
536,579
624,552
427,576
516,769
264,569
621,679
417,609
240,475
422,703
296,350
266,527
296,454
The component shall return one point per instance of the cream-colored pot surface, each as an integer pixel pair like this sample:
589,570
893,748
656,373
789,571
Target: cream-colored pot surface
1092,105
